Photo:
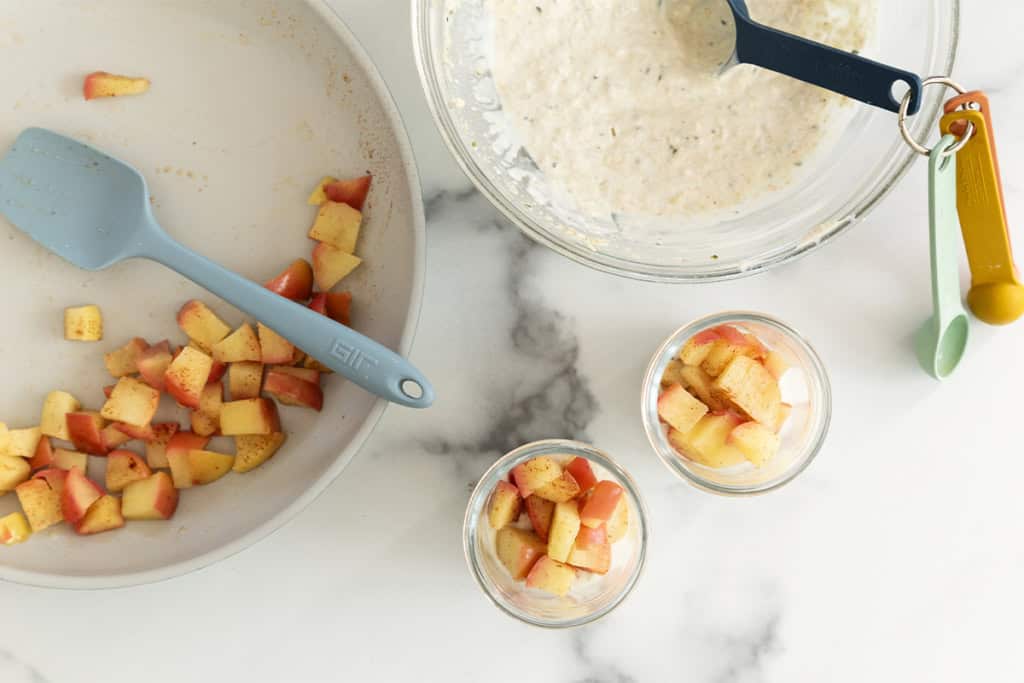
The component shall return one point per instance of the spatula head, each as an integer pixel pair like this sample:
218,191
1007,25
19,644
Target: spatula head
76,201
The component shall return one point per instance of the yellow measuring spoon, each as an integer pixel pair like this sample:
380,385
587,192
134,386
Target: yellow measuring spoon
996,295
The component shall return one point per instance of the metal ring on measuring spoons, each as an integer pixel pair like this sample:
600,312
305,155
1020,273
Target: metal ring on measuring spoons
905,130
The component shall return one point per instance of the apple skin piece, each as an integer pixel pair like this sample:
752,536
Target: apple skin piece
559,490
332,265
79,493
100,84
249,416
680,409
618,525
239,346
132,402
535,473
749,388
245,380
53,421
504,506
69,460
295,282
565,525
697,347
319,195
83,323
153,363
318,303
43,456
582,472
123,361
14,529
40,502
599,507
13,471
22,443
156,450
152,498
124,467
201,324
551,576
758,443
339,307
336,224
274,349
306,374
252,450
293,391
540,512
352,191
518,550
103,515
85,431
187,375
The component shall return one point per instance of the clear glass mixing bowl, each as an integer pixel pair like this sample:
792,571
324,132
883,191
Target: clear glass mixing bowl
839,185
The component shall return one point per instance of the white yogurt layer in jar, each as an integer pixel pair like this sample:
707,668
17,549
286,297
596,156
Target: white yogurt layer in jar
621,103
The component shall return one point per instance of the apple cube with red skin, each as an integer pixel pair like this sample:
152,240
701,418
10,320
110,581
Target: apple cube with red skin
338,306
69,460
352,191
518,550
318,303
618,525
249,416
198,467
535,473
43,456
551,576
79,493
295,282
540,512
697,347
582,472
83,323
679,408
206,420
13,471
504,506
305,374
336,224
201,324
153,363
103,84
187,375
240,345
758,443
14,529
565,525
331,265
319,194
132,402
245,380
181,443
252,450
274,348
596,559
40,502
152,498
54,476
217,371
293,391
103,515
560,489
156,450
114,437
587,537
751,345
85,431
56,406
749,388
144,433
601,504
123,361
124,467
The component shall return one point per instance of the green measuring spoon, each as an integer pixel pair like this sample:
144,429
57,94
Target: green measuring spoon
941,341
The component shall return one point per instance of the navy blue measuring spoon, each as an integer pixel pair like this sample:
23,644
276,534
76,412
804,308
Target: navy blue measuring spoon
842,72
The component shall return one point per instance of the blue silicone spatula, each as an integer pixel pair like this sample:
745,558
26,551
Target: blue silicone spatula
94,211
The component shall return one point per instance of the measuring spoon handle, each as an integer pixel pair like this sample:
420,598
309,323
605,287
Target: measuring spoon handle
842,72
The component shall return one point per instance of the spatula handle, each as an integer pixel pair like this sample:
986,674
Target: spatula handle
369,364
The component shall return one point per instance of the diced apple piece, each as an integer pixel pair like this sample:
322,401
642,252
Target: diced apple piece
156,450
132,402
249,416
318,303
504,505
518,550
295,282
582,472
338,307
293,391
103,84
551,576
245,380
56,406
176,451
352,192
706,443
671,374
43,455
618,525
14,529
197,467
68,460
85,431
780,419
79,493
565,524
587,538
124,467
201,324
13,471
698,383
187,375
22,443
697,347
535,473
83,323
54,476
559,490
679,409
775,364
319,194
314,364
206,420
337,224
240,345
153,362
103,515
540,512
305,374
751,389
40,503
758,443
274,348
122,361
144,433
253,450
331,265
152,498
114,437
721,354
600,507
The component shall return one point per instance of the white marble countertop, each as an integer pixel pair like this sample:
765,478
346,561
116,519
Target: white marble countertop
896,556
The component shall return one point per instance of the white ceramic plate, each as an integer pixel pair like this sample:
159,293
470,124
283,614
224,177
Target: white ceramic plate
251,103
